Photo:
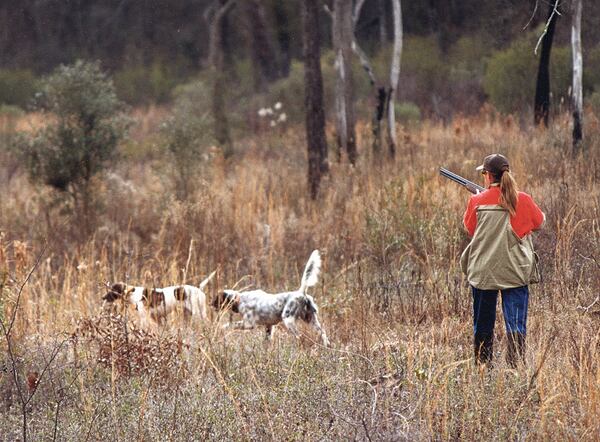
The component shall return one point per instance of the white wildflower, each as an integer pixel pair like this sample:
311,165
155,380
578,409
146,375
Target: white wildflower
262,112
273,123
282,117
277,105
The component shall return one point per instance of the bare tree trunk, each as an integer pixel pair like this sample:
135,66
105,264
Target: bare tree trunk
577,74
394,75
214,16
282,30
264,58
382,22
542,90
313,96
344,96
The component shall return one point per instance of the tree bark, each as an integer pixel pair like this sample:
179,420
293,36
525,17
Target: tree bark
394,75
214,15
542,90
264,58
577,74
344,96
382,22
282,28
313,96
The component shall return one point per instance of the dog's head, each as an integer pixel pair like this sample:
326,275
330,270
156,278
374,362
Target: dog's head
227,299
117,291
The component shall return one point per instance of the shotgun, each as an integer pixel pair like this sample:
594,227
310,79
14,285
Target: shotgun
469,185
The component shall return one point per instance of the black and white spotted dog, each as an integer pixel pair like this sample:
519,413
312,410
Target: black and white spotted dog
259,308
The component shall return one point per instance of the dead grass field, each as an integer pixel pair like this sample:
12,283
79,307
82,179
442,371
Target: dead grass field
392,297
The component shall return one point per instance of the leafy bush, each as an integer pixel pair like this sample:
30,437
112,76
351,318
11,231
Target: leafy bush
407,112
16,87
510,74
423,70
145,84
187,135
591,70
594,101
84,127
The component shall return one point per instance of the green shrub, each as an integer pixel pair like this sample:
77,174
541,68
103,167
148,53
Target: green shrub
510,74
594,100
145,84
591,70
80,140
17,87
187,134
407,112
423,70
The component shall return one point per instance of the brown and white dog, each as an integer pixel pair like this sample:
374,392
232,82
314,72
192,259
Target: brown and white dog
259,308
158,303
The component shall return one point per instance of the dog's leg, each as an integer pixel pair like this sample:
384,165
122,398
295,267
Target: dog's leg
248,322
269,333
290,324
314,323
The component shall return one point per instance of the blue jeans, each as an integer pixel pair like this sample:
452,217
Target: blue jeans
514,307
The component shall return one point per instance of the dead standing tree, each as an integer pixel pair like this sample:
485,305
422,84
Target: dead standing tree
577,74
384,93
214,15
541,106
313,96
343,31
264,58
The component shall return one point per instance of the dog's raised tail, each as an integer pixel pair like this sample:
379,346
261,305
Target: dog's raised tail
207,280
311,271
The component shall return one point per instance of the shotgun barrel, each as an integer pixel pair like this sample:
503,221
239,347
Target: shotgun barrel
469,185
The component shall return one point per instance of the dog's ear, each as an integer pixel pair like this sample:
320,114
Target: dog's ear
231,300
114,292
110,296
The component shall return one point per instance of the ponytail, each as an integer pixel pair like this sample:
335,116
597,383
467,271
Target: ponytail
508,193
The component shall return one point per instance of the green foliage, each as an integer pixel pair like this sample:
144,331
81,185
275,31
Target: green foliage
594,101
407,112
510,74
187,135
83,131
17,87
465,59
591,70
423,65
145,84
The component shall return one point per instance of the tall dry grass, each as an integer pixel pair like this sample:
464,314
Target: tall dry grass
392,297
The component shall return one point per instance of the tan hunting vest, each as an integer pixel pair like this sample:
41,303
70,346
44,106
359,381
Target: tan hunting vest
496,258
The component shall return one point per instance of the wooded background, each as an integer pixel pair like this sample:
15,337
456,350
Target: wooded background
151,46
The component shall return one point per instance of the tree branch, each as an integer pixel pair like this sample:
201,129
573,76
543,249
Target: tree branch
356,14
554,12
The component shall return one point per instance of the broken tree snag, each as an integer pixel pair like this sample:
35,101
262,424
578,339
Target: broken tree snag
394,75
344,107
577,74
541,106
313,96
214,15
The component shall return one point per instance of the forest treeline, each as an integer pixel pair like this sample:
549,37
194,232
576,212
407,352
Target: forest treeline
152,46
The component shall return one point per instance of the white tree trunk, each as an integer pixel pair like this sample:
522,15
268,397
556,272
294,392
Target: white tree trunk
394,75
577,73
